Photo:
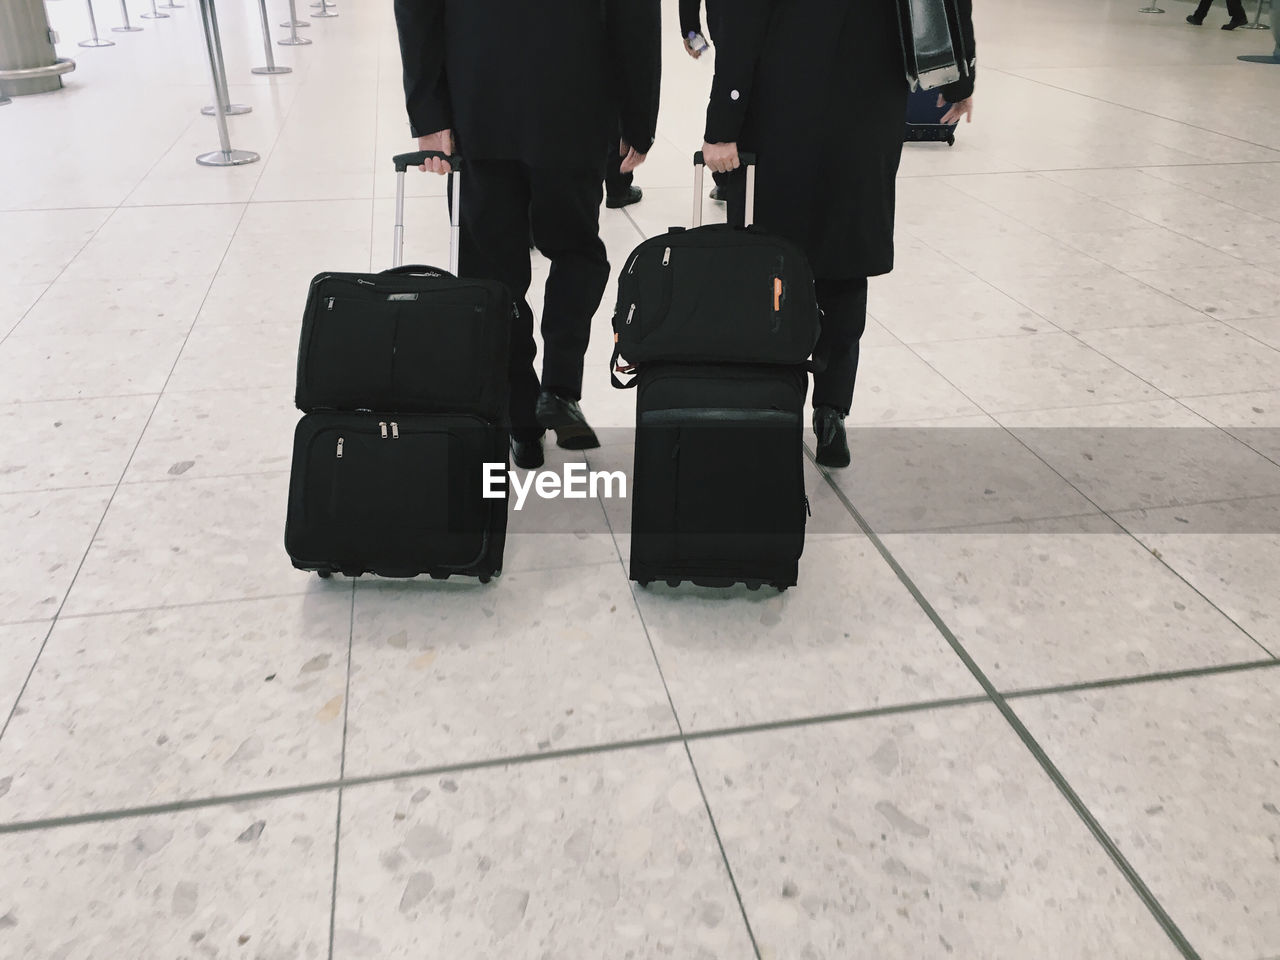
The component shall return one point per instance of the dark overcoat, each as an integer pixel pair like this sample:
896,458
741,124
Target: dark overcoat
818,89
542,83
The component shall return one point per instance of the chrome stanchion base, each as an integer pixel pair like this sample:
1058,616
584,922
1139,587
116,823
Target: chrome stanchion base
126,29
226,158
1151,9
324,13
153,16
4,100
1255,26
1260,58
293,41
96,43
295,23
231,110
271,71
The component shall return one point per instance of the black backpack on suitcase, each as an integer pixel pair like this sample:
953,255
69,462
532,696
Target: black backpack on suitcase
718,323
402,376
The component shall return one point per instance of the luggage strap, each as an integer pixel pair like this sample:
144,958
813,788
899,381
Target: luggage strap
616,368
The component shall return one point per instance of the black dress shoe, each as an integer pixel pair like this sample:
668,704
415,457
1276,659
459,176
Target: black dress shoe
1235,22
565,417
1195,18
527,453
632,195
833,445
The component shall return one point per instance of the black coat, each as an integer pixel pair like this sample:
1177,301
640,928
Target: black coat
818,89
691,17
544,83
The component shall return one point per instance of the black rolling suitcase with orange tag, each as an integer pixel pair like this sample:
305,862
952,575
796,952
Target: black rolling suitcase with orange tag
718,323
402,376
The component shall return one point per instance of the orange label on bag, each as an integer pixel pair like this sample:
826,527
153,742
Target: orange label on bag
777,294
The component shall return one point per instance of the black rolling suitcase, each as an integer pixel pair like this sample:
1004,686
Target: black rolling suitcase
718,324
402,376
924,119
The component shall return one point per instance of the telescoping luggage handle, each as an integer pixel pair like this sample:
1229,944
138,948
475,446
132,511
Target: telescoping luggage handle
403,162
748,160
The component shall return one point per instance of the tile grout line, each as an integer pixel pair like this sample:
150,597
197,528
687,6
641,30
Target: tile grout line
666,740
342,772
683,739
1024,734
53,623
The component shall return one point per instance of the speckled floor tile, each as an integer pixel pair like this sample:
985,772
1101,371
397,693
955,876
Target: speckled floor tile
1108,298
848,637
91,363
445,672
45,535
68,306
1154,453
16,300
219,538
19,645
69,443
245,881
924,835
1230,552
1041,609
202,701
929,312
604,856
1033,372
1253,418
213,433
238,357
1182,774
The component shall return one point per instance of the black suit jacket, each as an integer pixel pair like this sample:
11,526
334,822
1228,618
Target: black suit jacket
540,82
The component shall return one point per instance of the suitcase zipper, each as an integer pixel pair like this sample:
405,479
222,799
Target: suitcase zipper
340,441
631,313
395,430
666,257
382,426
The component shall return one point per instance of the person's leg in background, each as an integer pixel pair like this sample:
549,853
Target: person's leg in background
619,187
566,221
844,318
495,225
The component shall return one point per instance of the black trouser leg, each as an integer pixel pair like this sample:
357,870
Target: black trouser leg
616,183
1236,9
844,318
566,220
495,228
1203,9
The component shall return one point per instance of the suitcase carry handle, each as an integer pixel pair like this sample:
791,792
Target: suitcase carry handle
413,270
699,164
403,162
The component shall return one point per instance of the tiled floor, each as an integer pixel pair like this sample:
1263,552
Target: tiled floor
1023,703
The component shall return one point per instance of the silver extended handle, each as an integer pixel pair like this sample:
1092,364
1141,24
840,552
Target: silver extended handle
403,162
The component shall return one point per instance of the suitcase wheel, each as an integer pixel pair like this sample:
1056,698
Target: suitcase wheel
674,583
644,583
485,579
951,141
324,574
753,584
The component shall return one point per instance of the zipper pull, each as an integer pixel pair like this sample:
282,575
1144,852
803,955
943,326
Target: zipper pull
631,313
340,448
395,430
366,283
329,304
666,256
382,425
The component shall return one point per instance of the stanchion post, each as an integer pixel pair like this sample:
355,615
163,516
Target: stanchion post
155,13
225,157
95,40
220,74
170,5
324,10
271,67
1257,19
293,40
128,27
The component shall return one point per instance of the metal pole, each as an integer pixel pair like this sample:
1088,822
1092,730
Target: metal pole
155,13
1257,20
324,10
226,157
220,73
170,5
271,67
127,28
455,223
93,29
293,40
